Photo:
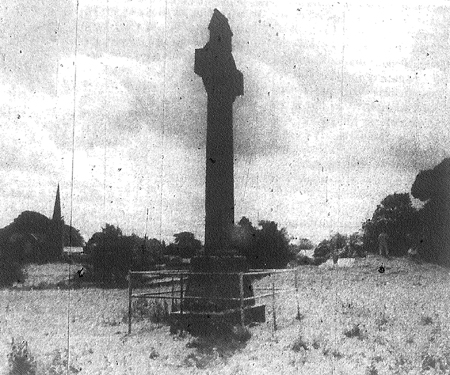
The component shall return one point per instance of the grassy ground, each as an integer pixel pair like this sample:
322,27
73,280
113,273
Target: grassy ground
353,321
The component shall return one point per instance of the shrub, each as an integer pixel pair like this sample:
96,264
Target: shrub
241,334
355,331
156,311
11,266
267,247
111,254
303,260
299,344
20,360
58,366
185,245
326,248
371,370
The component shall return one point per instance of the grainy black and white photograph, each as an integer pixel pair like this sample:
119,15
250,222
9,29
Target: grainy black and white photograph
224,187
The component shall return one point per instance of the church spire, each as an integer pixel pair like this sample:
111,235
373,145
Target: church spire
57,208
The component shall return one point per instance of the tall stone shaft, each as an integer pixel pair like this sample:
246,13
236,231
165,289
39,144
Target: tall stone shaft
223,82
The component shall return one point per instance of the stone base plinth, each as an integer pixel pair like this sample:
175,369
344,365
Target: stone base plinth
218,285
215,290
204,322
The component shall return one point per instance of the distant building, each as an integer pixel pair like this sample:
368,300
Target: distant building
73,249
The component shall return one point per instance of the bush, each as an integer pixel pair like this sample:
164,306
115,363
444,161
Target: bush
20,360
267,247
11,266
299,344
327,248
185,245
303,260
58,366
111,254
156,311
241,334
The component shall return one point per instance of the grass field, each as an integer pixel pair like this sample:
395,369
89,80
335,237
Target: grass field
353,321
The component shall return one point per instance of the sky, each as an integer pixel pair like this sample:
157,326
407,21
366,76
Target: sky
344,103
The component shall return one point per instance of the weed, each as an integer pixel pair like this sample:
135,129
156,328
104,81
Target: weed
400,361
153,310
153,353
20,360
241,334
336,354
315,344
299,344
355,331
381,322
371,370
300,316
199,361
426,320
428,362
110,322
59,366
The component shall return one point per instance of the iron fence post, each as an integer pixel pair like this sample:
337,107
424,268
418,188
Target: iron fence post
129,301
296,295
241,292
273,308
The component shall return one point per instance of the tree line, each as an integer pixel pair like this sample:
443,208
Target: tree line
111,254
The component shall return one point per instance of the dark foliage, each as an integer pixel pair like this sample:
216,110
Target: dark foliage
185,245
395,216
146,252
11,265
433,234
305,244
31,222
111,254
72,236
38,238
329,246
267,247
20,360
340,246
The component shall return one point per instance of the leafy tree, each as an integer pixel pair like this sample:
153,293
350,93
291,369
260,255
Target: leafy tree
305,244
31,222
185,245
356,244
433,235
396,216
328,246
39,232
111,254
146,252
267,247
72,236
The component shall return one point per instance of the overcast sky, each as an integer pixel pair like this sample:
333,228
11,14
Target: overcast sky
344,103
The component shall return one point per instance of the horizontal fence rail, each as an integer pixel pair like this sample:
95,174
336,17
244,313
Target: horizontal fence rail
178,279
